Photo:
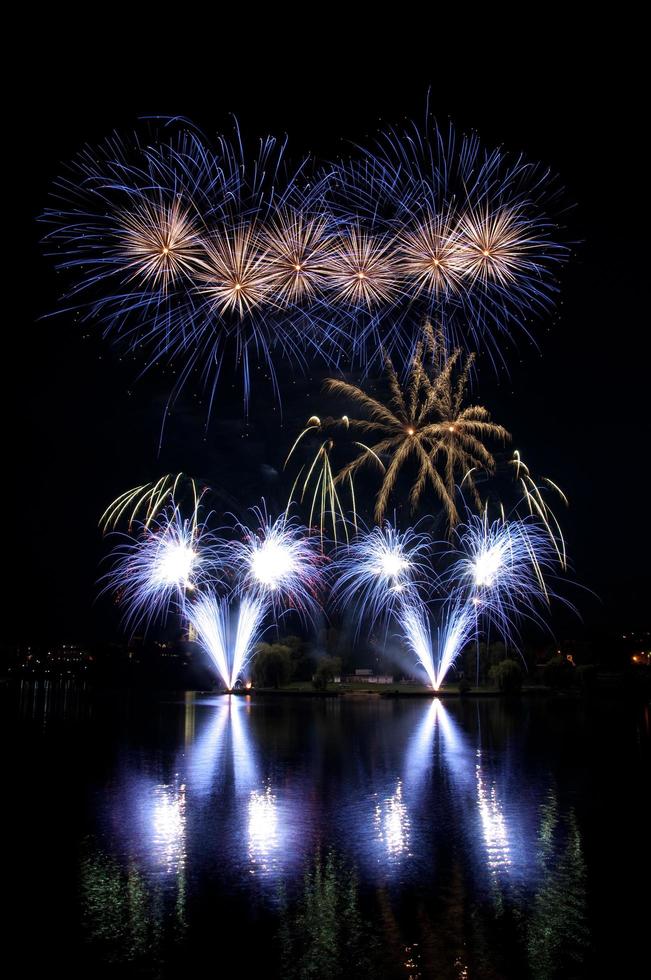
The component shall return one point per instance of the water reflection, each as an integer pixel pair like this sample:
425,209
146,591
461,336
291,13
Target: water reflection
263,829
496,836
392,824
393,839
323,933
558,935
167,818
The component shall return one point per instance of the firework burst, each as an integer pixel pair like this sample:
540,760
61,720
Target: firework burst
381,568
362,272
298,250
234,275
155,569
494,247
278,563
504,568
431,257
160,243
426,422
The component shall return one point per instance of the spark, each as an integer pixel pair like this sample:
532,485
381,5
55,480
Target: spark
228,637
373,572
159,242
362,271
278,562
154,569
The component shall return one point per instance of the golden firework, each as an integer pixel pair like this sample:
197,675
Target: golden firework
430,257
494,245
319,480
145,502
425,421
160,242
297,253
234,271
537,504
363,270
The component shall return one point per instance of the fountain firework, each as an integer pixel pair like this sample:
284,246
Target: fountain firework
227,638
437,655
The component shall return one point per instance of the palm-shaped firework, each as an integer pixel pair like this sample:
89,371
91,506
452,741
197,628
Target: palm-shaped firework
425,420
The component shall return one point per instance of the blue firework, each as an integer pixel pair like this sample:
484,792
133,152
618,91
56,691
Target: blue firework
473,244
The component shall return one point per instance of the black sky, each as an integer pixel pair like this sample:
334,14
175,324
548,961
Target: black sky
80,427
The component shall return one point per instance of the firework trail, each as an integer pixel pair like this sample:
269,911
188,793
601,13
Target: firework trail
318,477
147,501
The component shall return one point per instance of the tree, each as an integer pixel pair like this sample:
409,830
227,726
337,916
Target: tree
327,669
508,676
272,666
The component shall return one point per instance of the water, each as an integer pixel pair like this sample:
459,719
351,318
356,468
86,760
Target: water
303,838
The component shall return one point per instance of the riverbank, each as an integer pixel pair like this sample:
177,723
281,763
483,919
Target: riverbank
386,691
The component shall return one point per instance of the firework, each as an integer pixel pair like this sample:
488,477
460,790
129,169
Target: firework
278,563
493,247
165,241
537,505
504,568
234,276
431,257
148,500
378,569
297,251
154,569
159,242
436,652
363,271
472,235
425,422
227,637
189,250
318,478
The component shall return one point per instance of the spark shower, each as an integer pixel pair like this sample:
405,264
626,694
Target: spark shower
196,250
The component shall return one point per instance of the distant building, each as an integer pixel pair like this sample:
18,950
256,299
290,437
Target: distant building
366,675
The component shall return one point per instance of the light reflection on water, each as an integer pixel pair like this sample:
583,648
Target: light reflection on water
390,837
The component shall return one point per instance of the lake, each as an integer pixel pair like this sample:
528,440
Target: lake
303,838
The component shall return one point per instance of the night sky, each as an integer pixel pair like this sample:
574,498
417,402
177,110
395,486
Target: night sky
81,428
